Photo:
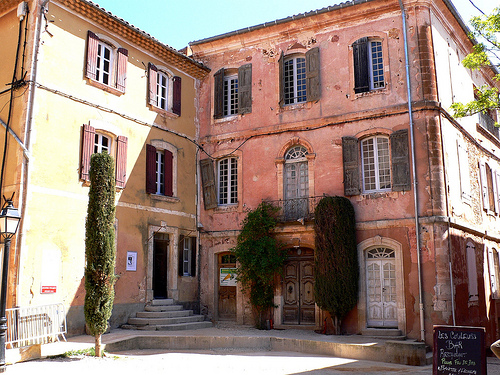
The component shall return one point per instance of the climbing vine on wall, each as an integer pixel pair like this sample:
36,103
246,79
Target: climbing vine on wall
336,270
260,256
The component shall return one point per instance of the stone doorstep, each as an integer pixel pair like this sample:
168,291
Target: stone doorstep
162,302
163,314
163,308
164,321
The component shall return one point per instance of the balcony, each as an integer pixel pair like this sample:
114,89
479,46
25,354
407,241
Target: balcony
488,123
296,209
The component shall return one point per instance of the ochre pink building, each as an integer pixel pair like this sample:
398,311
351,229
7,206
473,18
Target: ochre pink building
328,103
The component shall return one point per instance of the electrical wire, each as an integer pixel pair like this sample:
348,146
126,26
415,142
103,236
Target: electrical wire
14,85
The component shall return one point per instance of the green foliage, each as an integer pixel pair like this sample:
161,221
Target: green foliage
486,30
336,270
260,255
100,245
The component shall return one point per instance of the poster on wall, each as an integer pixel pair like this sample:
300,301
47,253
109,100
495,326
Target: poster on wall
227,277
131,261
51,263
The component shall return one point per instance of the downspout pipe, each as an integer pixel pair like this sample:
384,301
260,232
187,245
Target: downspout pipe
414,171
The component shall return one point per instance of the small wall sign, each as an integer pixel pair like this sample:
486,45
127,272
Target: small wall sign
131,261
227,277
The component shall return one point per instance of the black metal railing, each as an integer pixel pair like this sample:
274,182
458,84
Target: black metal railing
296,209
488,123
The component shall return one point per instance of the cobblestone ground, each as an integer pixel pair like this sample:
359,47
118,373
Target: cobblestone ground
217,362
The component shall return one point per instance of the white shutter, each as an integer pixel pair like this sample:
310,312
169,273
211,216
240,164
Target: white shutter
495,188
463,164
493,271
484,185
498,189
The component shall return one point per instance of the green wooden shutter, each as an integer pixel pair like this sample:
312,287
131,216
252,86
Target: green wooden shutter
313,84
361,73
401,180
350,157
219,93
281,72
208,183
245,89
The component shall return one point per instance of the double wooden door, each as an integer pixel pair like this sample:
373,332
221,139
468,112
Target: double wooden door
298,291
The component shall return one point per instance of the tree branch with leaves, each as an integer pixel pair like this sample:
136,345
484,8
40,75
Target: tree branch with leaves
485,54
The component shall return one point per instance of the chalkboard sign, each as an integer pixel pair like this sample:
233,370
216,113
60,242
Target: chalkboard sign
459,350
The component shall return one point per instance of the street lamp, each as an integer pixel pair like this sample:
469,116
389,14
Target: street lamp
9,221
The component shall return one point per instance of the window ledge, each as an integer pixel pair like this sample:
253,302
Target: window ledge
107,88
163,112
295,107
380,91
228,208
379,194
227,119
164,198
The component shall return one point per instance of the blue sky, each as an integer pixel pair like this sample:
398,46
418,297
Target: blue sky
178,22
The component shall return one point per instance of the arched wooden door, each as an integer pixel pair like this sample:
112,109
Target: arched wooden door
381,288
298,287
227,286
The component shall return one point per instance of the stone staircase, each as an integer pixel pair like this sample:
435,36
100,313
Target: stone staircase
164,315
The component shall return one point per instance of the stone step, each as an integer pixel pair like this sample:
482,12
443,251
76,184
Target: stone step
164,314
163,308
166,321
162,302
384,333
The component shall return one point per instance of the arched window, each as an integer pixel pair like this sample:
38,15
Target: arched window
296,183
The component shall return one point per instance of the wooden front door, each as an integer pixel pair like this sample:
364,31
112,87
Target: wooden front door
298,288
227,286
160,264
381,288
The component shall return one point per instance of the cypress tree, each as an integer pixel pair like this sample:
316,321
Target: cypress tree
100,247
336,270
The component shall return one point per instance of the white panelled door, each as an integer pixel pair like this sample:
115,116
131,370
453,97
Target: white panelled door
381,288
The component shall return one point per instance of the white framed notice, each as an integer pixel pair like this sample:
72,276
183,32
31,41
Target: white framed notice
131,261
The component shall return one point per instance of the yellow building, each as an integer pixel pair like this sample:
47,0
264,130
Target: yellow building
86,81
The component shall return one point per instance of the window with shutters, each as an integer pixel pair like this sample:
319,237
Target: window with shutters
368,60
233,91
161,167
378,163
490,182
227,172
100,140
187,256
375,162
299,77
106,65
164,90
494,271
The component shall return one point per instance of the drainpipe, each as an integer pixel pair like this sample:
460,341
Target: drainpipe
415,191
27,137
